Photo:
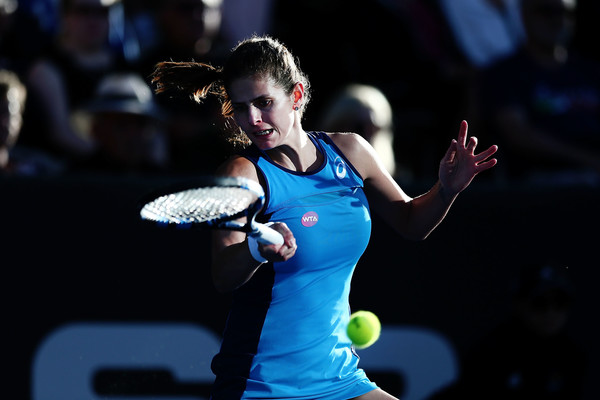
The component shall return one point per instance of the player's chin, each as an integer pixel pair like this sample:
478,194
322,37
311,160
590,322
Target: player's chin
264,147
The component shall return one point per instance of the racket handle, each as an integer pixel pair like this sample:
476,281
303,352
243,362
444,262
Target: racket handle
266,235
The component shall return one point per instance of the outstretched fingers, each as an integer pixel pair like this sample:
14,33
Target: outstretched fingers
472,145
451,152
462,133
481,160
486,153
460,163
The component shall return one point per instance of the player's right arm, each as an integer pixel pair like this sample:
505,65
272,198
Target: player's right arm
232,262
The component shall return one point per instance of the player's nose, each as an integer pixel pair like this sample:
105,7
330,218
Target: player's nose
254,116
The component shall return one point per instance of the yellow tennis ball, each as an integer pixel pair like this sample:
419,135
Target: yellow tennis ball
363,329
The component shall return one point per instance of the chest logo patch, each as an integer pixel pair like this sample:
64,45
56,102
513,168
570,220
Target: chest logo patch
310,219
340,168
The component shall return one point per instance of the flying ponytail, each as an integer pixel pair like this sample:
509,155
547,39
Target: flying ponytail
198,80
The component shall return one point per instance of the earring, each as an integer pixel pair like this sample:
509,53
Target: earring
296,108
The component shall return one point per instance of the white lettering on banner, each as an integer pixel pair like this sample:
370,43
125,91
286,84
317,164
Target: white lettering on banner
69,358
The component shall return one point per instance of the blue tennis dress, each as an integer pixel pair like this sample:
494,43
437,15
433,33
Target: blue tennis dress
285,336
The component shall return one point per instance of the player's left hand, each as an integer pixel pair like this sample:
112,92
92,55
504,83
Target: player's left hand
280,252
460,164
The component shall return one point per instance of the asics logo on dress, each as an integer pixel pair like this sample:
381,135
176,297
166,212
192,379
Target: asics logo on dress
340,168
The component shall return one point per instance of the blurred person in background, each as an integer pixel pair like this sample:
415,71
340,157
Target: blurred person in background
186,30
543,102
12,102
127,127
365,110
243,18
485,30
17,160
65,77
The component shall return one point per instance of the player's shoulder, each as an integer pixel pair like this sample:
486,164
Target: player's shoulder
341,137
238,165
348,142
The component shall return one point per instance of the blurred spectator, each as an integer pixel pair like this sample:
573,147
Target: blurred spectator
484,30
12,103
127,126
65,77
530,355
133,28
365,110
189,30
543,102
16,159
186,30
243,18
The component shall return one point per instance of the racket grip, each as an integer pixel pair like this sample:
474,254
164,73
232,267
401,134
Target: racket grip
266,235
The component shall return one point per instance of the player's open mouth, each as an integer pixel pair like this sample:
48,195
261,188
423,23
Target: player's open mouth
263,133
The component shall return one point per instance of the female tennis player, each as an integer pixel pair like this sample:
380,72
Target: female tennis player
285,335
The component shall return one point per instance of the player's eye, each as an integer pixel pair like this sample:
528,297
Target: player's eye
264,103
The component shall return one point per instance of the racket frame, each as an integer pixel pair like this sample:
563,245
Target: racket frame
259,231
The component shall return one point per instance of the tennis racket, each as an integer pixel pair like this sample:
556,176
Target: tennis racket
213,202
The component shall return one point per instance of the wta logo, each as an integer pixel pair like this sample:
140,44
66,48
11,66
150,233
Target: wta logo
310,219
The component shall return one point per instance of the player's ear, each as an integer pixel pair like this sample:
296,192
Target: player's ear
298,95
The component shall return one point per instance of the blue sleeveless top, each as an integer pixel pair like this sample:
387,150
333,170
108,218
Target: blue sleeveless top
286,332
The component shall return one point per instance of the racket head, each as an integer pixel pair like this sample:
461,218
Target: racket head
205,202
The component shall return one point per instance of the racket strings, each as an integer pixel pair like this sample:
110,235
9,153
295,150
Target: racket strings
199,205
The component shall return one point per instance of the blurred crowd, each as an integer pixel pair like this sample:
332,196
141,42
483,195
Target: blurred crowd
76,95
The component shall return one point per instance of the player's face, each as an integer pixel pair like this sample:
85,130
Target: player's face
263,110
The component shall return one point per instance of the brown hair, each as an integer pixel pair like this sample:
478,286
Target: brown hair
258,56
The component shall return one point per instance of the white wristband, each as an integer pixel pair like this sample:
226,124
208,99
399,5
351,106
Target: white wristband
253,246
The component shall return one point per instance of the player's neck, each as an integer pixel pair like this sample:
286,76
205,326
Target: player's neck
301,155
